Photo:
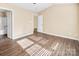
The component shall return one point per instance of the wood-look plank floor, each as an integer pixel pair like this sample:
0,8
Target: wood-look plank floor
39,45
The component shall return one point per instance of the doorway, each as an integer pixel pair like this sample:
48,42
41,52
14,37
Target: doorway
40,23
5,23
35,23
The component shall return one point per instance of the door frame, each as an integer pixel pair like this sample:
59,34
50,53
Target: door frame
12,19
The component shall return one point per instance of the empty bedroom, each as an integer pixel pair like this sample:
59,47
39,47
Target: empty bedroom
39,29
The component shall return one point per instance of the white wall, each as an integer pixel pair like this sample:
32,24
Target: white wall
61,20
22,21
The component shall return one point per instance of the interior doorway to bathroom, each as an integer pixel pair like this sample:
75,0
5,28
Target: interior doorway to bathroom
5,23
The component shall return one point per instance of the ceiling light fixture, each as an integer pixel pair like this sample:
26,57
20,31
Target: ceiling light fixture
34,3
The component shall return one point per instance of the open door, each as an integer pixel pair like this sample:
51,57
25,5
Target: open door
9,24
40,23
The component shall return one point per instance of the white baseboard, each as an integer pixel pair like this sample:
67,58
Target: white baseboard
62,36
20,36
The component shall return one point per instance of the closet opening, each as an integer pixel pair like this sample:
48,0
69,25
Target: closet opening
5,23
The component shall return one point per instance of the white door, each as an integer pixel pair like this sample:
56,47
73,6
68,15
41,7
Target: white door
4,24
9,24
40,23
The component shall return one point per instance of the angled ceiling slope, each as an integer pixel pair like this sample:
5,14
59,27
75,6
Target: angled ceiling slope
34,7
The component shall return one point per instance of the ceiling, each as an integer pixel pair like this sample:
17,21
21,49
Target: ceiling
34,7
